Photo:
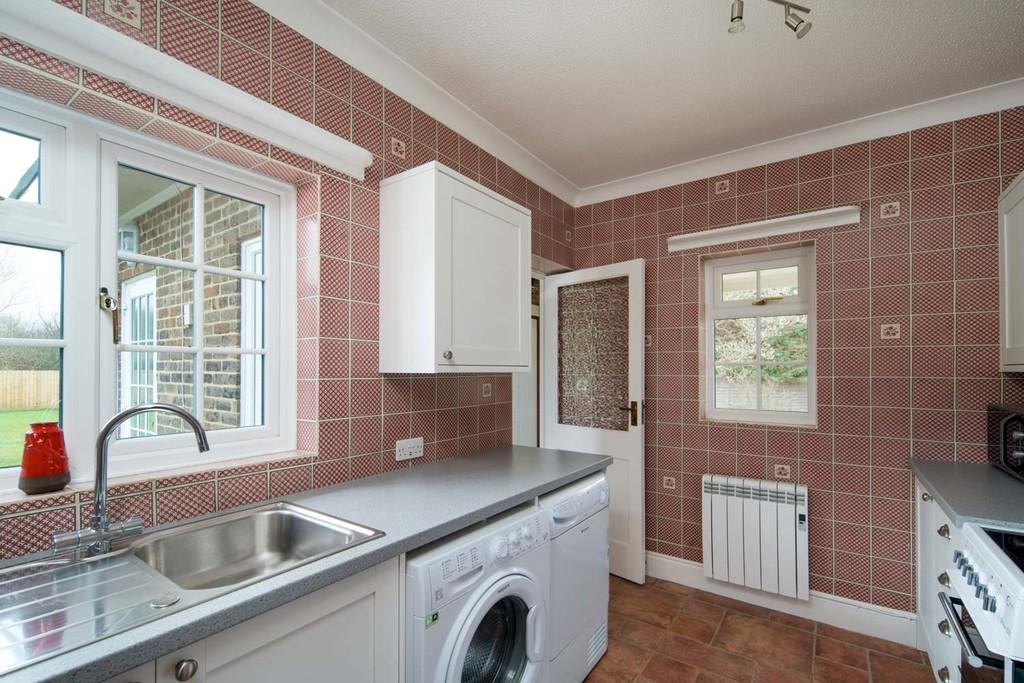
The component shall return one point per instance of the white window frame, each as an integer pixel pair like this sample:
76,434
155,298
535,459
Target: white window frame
804,303
69,219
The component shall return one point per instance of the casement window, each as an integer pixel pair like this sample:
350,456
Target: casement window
200,258
758,346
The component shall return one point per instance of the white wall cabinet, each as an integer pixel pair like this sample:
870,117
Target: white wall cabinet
454,275
349,631
1011,277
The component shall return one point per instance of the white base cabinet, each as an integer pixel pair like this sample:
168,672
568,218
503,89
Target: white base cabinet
936,536
454,275
347,632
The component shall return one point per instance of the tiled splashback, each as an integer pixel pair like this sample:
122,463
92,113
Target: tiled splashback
349,415
923,257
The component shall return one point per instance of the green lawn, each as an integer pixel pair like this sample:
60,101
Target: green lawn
13,425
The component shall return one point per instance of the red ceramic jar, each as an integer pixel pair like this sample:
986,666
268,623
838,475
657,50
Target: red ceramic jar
44,462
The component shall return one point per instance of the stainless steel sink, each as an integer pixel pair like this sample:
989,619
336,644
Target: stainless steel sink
245,546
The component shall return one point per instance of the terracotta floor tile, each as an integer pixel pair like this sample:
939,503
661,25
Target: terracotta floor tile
622,662
694,629
706,677
634,632
793,620
764,641
766,673
670,586
826,671
644,603
664,670
870,642
730,603
886,669
841,652
725,664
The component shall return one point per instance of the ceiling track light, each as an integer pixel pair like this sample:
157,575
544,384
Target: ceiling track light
797,24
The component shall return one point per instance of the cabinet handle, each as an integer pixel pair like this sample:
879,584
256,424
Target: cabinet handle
943,674
185,669
447,355
944,531
944,579
944,628
926,497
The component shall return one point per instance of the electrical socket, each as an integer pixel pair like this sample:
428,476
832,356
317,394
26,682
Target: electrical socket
889,210
487,390
398,148
721,187
783,472
890,331
668,483
407,449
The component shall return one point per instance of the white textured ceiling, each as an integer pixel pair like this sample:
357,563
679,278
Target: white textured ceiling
602,90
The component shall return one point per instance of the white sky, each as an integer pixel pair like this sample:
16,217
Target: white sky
30,281
16,154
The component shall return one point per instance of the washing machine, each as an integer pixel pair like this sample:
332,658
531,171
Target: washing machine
578,623
477,604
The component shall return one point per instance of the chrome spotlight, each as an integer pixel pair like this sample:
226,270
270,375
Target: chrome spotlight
796,23
736,24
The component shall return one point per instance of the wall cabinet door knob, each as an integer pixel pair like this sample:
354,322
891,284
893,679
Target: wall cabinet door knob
185,669
944,627
943,674
447,355
944,579
925,496
944,531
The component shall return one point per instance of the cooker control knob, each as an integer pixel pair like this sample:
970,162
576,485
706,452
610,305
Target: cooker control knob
956,556
972,577
989,603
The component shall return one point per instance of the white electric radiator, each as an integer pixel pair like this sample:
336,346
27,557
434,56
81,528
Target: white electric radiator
755,534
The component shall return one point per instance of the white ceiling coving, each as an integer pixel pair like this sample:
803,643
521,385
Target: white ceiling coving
606,89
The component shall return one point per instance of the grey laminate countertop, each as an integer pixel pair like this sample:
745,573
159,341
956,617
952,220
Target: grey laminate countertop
970,492
413,507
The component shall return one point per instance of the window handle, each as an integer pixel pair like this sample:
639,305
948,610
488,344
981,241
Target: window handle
111,305
765,300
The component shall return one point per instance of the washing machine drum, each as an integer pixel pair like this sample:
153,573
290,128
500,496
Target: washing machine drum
501,641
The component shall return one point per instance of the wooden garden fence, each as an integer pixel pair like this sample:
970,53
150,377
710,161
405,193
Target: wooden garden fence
28,389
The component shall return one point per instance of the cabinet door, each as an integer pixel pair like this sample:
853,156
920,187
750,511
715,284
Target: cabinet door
346,632
483,279
1011,273
140,674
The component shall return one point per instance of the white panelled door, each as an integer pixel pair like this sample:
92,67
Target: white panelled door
594,389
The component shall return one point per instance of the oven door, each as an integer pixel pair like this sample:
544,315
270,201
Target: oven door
977,663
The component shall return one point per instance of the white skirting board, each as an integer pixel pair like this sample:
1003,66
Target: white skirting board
872,620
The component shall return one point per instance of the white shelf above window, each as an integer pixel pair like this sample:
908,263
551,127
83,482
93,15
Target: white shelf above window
49,27
786,225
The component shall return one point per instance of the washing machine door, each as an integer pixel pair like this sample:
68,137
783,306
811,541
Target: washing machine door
502,637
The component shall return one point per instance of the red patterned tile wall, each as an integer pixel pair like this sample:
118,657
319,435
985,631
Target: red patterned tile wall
348,413
932,269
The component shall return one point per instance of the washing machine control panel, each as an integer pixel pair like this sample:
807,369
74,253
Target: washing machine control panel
463,567
516,540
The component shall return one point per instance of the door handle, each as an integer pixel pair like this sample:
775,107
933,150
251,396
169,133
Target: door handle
632,408
535,625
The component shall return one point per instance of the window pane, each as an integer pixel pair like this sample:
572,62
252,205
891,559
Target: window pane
233,236
784,388
784,338
736,387
159,210
736,340
29,393
19,167
739,286
233,391
233,309
147,376
780,281
31,284
156,304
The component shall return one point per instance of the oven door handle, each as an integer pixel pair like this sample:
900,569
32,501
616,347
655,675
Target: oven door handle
955,623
